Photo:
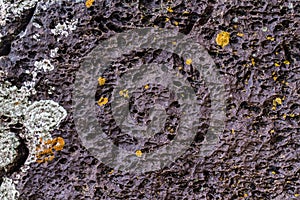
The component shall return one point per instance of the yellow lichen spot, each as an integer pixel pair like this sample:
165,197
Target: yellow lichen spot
124,93
278,101
270,38
286,62
252,61
174,43
169,9
273,172
276,64
176,23
180,68
297,195
292,115
275,78
89,3
284,116
138,153
240,34
146,87
232,131
102,101
276,53
188,61
101,81
167,19
272,131
245,195
186,12
111,172
223,38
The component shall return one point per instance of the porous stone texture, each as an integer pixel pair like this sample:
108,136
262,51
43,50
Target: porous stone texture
258,153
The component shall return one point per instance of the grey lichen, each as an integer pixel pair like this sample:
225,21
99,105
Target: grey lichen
43,116
44,65
9,142
8,190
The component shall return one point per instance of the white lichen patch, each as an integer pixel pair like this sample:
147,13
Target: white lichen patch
14,101
43,116
8,190
44,65
65,28
53,52
39,119
9,143
10,10
2,13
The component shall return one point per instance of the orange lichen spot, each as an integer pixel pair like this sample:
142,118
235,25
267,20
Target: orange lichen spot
138,153
188,61
89,3
124,93
45,151
170,10
102,101
58,143
223,38
176,23
270,38
286,62
146,87
101,81
240,34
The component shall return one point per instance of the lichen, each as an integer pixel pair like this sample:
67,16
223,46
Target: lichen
44,65
102,101
188,61
101,81
65,28
43,116
138,153
8,190
89,3
8,144
45,151
223,38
